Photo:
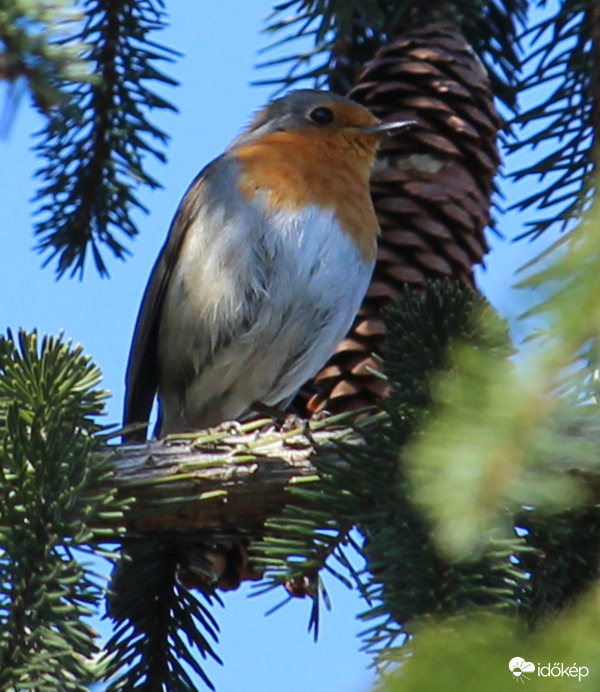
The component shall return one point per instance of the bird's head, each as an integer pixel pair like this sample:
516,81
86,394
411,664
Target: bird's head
319,114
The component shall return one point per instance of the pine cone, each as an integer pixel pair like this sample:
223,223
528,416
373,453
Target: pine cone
431,190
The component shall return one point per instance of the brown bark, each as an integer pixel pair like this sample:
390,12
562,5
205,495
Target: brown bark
221,481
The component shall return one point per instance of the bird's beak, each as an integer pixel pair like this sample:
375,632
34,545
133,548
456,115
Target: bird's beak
388,128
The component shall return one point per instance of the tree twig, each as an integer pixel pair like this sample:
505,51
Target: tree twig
228,477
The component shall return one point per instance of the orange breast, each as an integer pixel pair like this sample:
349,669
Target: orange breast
308,166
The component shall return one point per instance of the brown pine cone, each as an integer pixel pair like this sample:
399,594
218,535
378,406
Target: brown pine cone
431,190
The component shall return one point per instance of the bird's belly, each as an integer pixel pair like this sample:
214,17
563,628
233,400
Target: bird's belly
307,286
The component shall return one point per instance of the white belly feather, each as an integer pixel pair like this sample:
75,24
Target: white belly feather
250,315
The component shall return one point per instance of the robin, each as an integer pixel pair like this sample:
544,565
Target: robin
268,258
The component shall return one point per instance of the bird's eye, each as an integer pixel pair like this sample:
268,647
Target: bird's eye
321,115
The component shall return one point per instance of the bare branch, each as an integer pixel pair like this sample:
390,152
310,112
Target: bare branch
229,477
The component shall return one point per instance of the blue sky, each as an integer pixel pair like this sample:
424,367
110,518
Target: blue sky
220,42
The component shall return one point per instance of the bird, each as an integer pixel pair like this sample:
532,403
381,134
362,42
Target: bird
264,268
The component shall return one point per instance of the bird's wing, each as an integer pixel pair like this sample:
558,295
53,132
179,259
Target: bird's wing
141,380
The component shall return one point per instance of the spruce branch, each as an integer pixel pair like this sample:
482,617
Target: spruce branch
195,493
233,475
216,480
518,435
49,474
160,626
406,576
344,36
493,416
562,67
96,143
473,653
36,50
